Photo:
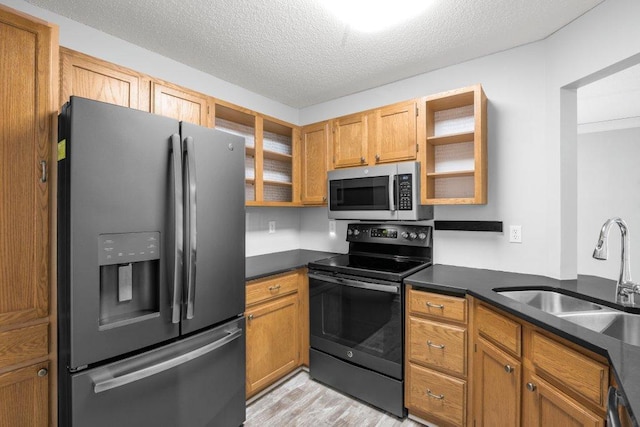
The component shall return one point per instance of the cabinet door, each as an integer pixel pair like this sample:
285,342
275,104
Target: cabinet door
350,141
92,78
25,113
546,406
315,142
272,341
181,105
496,383
395,137
24,399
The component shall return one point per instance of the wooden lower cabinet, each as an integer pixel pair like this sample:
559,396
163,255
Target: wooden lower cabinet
436,352
24,396
546,406
534,378
277,332
497,383
272,342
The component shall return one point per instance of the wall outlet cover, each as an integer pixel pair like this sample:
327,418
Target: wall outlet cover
272,227
515,234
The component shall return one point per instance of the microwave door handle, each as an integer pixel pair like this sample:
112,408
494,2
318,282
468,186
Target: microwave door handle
176,291
393,192
192,249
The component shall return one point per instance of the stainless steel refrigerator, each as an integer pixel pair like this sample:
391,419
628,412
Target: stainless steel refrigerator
151,263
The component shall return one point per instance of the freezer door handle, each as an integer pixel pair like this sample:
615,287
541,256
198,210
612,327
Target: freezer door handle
109,379
192,249
176,294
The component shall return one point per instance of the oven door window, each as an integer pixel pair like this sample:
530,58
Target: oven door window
361,326
370,193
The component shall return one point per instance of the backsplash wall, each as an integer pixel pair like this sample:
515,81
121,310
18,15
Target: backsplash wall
287,230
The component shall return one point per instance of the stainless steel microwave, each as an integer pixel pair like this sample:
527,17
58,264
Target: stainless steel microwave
383,192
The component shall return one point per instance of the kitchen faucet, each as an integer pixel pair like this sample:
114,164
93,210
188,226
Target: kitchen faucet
625,287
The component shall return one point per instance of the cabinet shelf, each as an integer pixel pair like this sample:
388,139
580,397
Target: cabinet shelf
279,183
454,138
450,174
273,155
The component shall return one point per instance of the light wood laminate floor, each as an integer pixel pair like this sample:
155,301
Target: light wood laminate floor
301,401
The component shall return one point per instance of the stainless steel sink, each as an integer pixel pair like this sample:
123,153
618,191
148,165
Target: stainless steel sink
551,302
599,318
611,322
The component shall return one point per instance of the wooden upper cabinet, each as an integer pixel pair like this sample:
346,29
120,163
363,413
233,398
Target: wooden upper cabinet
181,104
26,111
454,135
395,132
315,143
350,141
89,77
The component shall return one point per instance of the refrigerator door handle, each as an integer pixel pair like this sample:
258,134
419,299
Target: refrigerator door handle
107,379
192,249
176,298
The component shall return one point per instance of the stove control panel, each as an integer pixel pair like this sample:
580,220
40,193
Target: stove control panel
395,234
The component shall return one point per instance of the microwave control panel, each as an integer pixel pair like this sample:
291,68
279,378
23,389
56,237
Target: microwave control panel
405,192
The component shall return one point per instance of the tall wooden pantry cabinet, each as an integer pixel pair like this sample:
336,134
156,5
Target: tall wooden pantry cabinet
28,69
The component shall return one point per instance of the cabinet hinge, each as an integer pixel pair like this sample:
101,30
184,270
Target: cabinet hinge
475,350
417,148
208,110
416,112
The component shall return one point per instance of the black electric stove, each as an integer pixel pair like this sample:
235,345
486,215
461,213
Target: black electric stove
356,311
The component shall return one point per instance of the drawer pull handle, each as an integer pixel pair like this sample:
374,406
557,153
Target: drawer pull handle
508,369
274,288
432,305
531,387
431,344
435,396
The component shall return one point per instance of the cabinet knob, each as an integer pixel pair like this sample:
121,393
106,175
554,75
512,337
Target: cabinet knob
324,198
377,157
362,159
43,372
508,369
531,387
250,317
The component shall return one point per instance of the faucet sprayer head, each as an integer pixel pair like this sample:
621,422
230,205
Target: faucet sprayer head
601,250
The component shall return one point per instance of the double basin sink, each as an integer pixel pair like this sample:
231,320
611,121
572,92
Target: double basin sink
599,318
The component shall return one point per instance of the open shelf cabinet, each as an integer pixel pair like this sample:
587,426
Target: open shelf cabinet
455,156
270,171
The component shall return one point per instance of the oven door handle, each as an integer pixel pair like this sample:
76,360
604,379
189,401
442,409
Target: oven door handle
390,289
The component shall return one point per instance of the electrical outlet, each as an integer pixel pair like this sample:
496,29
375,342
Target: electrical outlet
515,234
272,227
332,227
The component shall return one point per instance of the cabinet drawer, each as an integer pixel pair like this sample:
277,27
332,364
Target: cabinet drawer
22,344
439,345
500,330
272,287
575,371
436,394
438,306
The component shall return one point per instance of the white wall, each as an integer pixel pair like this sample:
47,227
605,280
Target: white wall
608,186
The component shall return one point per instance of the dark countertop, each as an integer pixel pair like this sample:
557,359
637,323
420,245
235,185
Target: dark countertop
624,358
266,265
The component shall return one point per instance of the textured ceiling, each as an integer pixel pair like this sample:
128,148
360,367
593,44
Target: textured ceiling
296,52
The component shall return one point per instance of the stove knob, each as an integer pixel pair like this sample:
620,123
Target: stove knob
349,232
405,235
422,236
356,232
412,236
